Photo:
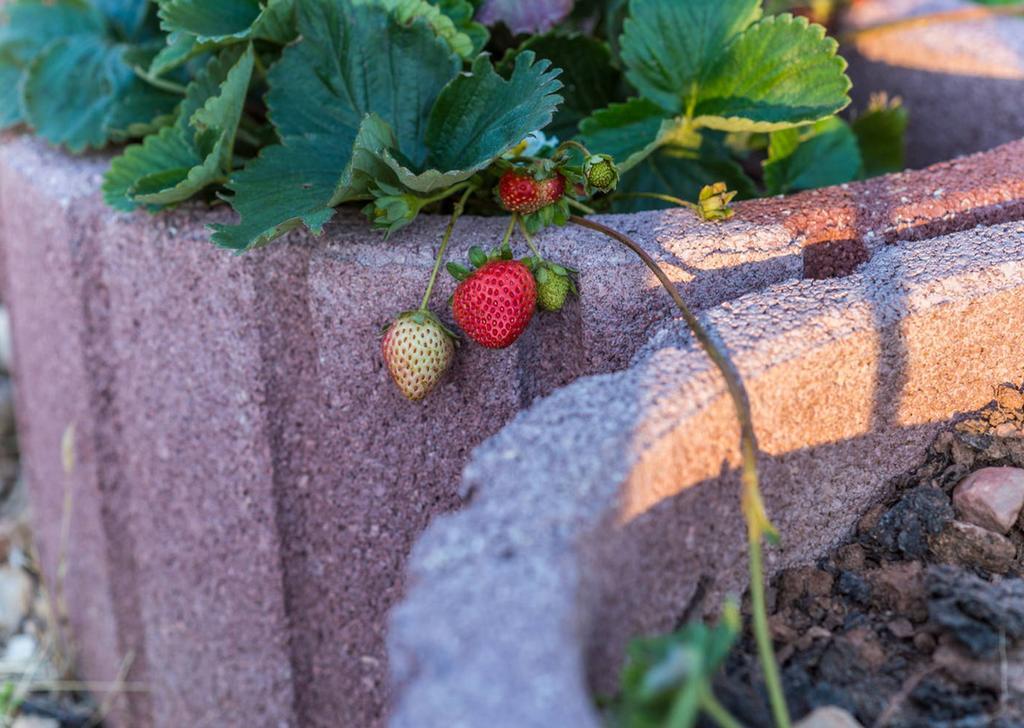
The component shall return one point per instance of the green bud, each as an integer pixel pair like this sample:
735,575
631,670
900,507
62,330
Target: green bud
713,203
392,209
601,173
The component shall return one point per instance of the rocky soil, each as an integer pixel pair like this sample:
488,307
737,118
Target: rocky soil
919,619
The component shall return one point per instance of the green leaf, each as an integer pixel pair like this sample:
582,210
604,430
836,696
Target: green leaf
32,24
671,49
126,18
165,150
666,675
357,80
811,157
282,189
779,72
355,61
880,131
297,184
682,171
179,161
628,131
26,27
74,90
366,169
180,49
590,80
480,115
228,21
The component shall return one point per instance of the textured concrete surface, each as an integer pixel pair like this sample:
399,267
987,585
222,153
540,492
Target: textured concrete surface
610,508
963,81
251,484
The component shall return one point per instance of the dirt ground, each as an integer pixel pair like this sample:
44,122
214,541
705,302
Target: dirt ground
918,620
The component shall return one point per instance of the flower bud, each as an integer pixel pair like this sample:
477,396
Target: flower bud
713,203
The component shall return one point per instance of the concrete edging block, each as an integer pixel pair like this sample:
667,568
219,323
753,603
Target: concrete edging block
598,512
962,80
250,483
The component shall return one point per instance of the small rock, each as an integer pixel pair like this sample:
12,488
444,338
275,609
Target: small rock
806,581
901,628
978,613
991,498
34,721
924,642
1008,397
19,654
829,717
15,597
854,587
997,675
904,529
1008,429
973,546
849,557
781,631
866,646
900,588
870,518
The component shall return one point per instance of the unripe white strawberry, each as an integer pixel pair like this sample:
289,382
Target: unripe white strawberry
417,350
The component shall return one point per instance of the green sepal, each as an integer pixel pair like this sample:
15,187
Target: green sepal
426,316
477,256
557,213
458,272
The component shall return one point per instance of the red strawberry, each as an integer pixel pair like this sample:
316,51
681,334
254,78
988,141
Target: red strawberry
417,350
521,192
494,304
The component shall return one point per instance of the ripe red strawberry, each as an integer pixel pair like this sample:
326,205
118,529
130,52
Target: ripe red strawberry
417,350
494,304
520,192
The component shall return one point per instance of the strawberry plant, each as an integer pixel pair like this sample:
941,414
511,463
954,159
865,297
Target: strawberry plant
542,111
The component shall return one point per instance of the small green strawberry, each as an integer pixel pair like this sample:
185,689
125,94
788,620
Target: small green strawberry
601,173
417,350
554,283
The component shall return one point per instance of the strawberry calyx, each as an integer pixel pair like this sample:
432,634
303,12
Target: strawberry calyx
422,316
478,259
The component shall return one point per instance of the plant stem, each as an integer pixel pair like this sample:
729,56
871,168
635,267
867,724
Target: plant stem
247,137
161,83
508,230
657,196
529,238
716,711
580,206
571,144
753,508
762,635
945,16
451,191
456,213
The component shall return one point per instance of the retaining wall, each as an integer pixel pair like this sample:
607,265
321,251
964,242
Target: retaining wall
611,508
247,484
962,80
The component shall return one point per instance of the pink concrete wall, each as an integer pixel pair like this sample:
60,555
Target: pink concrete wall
247,482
